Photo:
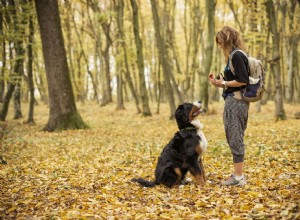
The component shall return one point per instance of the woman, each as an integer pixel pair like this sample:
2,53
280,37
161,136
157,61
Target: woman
235,114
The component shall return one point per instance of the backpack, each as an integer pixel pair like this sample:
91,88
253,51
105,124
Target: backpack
255,89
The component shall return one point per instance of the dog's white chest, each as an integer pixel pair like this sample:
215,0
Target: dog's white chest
203,141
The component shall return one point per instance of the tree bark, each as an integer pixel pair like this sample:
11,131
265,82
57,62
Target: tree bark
3,58
293,41
140,60
17,102
15,75
169,29
30,119
120,17
163,57
275,66
63,111
208,51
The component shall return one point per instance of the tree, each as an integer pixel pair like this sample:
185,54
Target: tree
119,7
140,59
63,111
163,57
15,76
3,53
275,64
208,51
30,119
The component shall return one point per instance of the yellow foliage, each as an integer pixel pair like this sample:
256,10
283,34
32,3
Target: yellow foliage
85,174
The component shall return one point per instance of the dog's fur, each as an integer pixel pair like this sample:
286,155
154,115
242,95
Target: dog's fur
183,152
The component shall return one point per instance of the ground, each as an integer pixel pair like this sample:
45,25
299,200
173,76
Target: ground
85,174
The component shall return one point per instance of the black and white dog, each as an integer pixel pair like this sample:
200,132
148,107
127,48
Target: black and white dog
183,153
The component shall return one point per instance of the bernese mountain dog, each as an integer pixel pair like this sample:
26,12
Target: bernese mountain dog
183,153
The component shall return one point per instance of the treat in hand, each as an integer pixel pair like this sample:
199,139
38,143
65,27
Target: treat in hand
211,75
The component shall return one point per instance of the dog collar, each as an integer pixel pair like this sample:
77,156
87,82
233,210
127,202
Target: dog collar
189,128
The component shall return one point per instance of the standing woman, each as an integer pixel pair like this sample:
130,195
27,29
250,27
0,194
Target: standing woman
235,114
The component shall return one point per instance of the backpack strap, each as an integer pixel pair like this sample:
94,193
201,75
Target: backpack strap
230,59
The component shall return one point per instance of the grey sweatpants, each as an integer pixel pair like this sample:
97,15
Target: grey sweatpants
235,119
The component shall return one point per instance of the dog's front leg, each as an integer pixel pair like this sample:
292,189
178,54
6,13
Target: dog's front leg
202,169
196,172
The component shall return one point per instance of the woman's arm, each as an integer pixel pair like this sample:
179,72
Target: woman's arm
218,83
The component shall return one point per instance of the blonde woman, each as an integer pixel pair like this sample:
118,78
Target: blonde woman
235,115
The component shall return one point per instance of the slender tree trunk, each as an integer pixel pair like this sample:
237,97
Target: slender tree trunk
15,76
82,51
169,30
3,58
17,102
63,111
39,80
120,17
275,66
293,41
163,57
140,60
105,53
120,99
297,78
29,69
208,51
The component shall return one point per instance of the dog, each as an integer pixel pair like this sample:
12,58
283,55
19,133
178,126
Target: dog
183,153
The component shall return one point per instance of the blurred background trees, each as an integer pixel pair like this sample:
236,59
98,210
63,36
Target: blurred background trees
147,51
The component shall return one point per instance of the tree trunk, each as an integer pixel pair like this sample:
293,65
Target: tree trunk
140,60
63,111
105,53
208,51
39,80
163,56
275,66
293,40
82,51
30,119
120,17
17,102
3,58
15,76
297,79
169,30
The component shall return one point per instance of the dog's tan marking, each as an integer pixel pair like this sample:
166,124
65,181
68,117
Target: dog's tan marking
198,150
179,175
202,169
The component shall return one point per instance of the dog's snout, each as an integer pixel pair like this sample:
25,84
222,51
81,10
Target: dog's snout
198,103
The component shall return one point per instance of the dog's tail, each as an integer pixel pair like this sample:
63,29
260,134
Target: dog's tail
144,182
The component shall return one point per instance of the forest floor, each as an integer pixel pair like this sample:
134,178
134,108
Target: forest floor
85,174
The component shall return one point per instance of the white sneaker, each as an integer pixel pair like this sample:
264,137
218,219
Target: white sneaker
231,181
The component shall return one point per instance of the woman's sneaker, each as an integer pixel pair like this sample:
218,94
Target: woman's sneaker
231,181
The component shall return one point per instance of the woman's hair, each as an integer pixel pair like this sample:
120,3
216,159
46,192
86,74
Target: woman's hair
229,39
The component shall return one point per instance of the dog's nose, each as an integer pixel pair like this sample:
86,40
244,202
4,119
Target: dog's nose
200,102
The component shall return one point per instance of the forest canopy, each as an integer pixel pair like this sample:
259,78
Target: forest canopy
147,51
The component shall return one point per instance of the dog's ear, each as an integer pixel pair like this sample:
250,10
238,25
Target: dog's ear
180,111
181,116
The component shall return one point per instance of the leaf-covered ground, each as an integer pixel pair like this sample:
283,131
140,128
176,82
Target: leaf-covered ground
86,174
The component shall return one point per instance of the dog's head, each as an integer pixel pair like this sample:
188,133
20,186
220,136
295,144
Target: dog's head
186,113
